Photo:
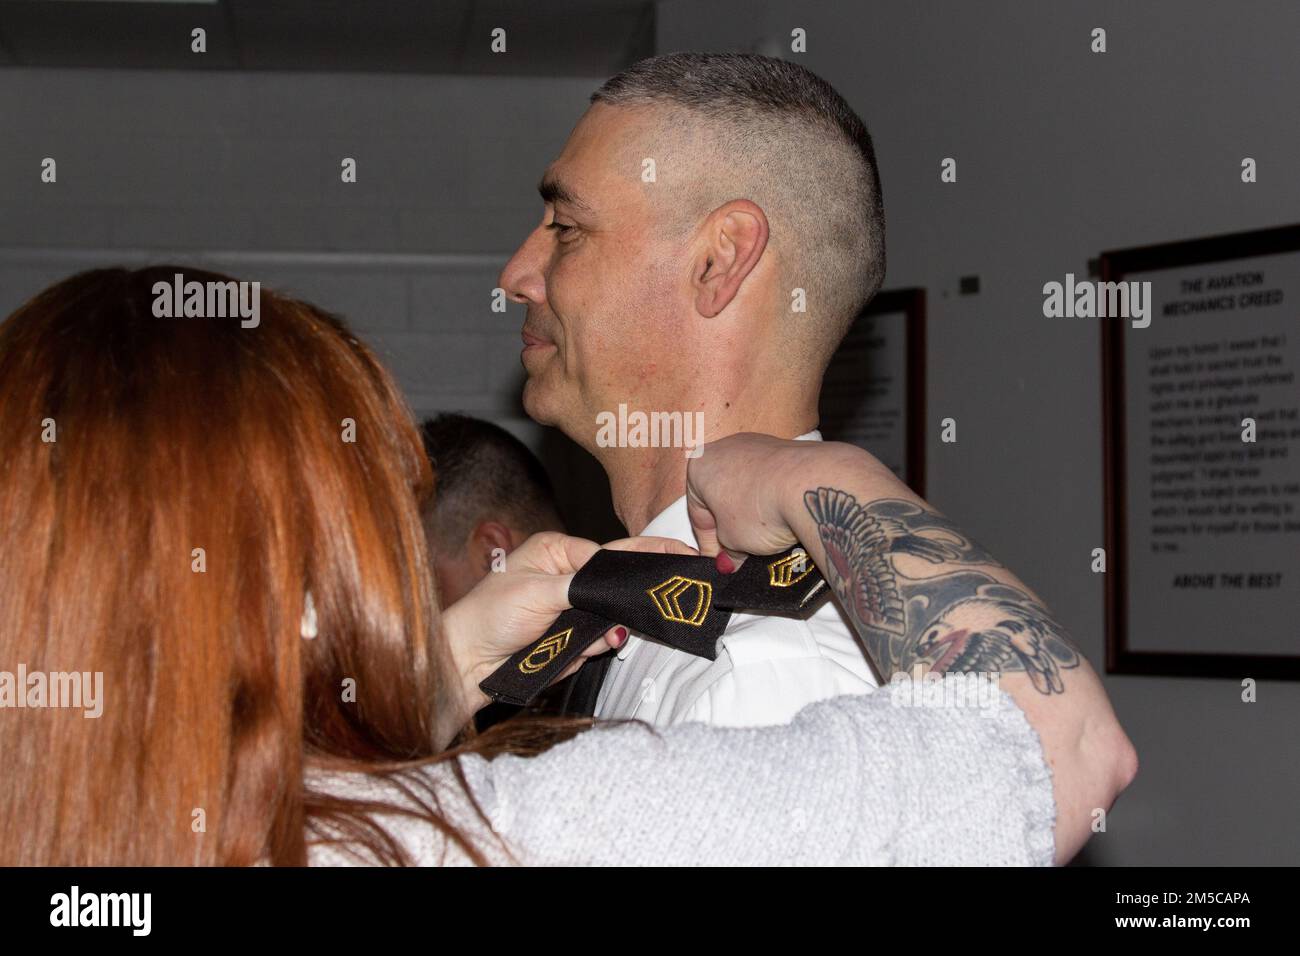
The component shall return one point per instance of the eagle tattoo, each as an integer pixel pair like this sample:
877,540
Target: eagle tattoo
960,620
859,546
994,636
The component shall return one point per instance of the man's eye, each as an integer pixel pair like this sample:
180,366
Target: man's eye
560,229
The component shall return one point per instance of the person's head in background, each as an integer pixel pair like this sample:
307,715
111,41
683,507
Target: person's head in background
171,491
490,494
711,229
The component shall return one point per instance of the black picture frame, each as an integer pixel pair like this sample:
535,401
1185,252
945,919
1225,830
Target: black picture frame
911,302
1120,657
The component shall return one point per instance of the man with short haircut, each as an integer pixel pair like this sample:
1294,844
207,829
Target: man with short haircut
711,229
491,493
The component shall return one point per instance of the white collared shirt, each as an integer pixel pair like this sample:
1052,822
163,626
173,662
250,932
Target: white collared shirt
768,667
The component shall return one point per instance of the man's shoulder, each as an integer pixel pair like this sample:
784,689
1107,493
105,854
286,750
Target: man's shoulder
768,668
822,634
649,681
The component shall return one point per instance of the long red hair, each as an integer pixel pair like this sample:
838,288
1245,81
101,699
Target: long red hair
178,434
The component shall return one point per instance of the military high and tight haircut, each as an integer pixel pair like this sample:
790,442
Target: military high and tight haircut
779,135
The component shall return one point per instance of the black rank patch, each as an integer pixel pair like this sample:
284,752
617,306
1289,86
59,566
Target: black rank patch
682,601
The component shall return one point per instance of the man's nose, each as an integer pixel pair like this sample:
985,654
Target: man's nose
523,277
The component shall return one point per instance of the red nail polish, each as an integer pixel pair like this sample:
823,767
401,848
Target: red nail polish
724,562
620,635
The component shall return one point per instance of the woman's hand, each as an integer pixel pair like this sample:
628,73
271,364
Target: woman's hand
741,489
510,609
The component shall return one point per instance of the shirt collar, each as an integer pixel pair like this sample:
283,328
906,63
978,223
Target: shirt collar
674,522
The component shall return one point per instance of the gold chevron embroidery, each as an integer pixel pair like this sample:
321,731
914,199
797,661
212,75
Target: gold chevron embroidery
668,599
545,652
789,570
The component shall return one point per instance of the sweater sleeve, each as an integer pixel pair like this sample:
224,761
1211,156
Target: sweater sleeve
852,780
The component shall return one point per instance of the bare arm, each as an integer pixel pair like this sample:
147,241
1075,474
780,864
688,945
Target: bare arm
922,595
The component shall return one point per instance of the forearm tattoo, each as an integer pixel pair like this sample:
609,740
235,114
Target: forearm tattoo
956,619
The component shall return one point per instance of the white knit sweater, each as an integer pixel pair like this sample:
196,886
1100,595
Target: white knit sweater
852,780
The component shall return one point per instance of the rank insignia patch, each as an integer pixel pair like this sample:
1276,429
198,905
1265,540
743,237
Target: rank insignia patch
546,651
676,594
789,570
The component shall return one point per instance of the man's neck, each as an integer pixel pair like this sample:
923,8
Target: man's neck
645,481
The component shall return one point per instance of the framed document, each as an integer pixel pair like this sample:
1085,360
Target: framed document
1202,459
873,395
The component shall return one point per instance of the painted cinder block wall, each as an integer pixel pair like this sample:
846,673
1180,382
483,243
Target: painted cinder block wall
241,172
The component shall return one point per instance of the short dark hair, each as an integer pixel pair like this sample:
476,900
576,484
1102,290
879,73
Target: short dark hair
763,102
481,472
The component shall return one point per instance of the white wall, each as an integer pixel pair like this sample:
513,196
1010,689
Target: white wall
1063,154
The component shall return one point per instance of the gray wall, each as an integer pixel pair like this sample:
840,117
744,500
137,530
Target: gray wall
1063,154
241,172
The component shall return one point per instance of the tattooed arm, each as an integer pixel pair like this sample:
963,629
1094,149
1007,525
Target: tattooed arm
920,593
922,596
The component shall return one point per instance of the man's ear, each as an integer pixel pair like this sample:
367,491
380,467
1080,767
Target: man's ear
734,235
486,537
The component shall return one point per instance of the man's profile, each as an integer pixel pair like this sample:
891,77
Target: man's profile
711,229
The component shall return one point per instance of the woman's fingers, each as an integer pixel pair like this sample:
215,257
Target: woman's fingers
652,544
578,551
548,598
705,527
703,524
553,553
613,639
570,553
